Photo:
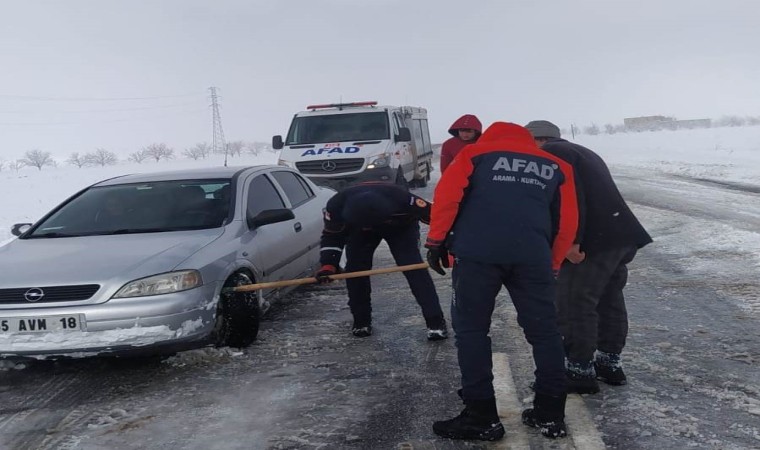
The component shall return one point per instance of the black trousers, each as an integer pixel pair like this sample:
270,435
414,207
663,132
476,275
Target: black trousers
403,242
532,289
591,306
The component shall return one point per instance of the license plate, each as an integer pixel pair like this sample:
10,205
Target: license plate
41,324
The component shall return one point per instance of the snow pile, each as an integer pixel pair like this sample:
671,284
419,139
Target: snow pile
64,340
6,365
203,357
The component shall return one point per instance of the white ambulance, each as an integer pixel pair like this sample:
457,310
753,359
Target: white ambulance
340,144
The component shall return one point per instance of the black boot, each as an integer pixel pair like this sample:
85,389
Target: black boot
362,328
436,329
362,331
547,414
478,421
581,378
609,368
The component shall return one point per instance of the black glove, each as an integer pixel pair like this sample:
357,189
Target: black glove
438,256
323,275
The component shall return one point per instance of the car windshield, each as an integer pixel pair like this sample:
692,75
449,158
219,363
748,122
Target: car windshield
338,128
141,208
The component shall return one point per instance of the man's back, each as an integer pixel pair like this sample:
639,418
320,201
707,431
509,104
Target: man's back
607,221
502,192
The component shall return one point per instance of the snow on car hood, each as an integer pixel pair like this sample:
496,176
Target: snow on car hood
97,259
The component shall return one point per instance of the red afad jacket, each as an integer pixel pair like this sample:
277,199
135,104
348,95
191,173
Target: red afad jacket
506,201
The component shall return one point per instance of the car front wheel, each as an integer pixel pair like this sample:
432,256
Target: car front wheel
238,315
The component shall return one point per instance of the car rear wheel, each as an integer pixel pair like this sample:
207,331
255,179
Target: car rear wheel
238,315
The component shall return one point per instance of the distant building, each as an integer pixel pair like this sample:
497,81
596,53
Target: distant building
648,122
651,123
694,123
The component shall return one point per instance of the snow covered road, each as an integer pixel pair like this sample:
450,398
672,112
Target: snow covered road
692,361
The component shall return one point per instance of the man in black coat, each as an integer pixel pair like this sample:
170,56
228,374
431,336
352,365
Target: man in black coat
590,303
359,217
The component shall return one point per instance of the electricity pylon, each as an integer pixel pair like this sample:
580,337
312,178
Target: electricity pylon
218,144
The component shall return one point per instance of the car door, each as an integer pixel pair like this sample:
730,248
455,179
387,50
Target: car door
308,223
271,248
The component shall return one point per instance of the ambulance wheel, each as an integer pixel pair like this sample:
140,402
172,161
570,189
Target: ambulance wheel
237,315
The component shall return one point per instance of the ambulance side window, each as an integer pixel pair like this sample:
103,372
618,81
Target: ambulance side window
398,122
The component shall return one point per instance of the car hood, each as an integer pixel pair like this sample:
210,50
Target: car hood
97,259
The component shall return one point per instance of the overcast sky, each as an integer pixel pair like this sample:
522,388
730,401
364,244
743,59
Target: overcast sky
572,61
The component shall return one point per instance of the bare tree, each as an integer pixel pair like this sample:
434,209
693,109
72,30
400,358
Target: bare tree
101,157
158,151
37,158
205,148
197,151
235,148
731,121
75,159
16,165
138,156
257,147
592,130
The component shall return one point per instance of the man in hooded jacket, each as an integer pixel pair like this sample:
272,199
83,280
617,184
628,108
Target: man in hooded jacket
507,211
465,130
590,302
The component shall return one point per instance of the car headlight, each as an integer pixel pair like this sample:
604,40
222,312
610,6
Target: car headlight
380,161
282,162
166,283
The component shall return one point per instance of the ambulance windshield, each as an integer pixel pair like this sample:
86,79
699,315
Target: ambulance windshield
338,128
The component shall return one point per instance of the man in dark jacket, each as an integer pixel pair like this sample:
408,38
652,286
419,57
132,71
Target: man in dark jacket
590,300
507,211
359,217
466,130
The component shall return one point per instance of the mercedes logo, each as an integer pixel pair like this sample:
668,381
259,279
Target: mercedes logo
329,166
34,294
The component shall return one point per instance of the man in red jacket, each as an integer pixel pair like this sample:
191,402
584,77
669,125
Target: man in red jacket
466,130
508,212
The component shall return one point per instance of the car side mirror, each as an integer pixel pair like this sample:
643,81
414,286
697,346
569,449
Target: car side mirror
269,216
277,143
404,135
20,228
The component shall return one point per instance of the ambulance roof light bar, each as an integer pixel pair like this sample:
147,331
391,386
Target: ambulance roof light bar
340,105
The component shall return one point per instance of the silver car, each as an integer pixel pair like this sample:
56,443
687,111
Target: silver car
140,262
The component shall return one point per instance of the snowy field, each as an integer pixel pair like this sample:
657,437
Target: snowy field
721,154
